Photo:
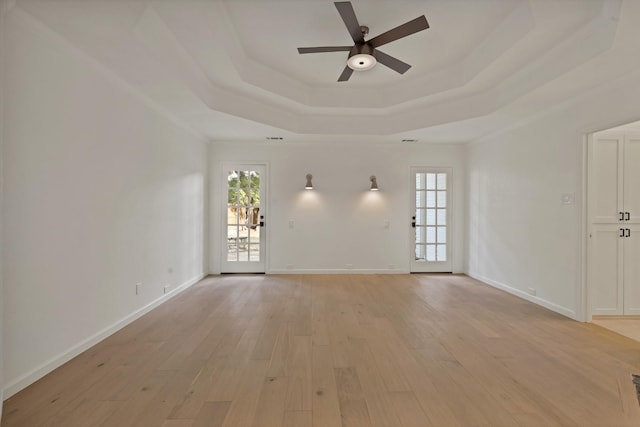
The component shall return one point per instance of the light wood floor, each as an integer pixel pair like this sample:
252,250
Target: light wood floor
379,350
629,326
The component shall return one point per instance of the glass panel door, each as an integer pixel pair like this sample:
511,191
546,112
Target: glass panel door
430,222
243,242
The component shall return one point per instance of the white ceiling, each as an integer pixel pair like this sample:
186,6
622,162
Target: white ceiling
229,69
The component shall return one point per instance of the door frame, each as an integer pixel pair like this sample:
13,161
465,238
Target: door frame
221,208
450,205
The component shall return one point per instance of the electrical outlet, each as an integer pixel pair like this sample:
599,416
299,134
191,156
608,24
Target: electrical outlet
386,223
166,288
532,291
138,290
291,223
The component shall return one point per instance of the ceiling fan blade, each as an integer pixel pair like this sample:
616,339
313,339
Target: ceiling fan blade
400,31
349,17
346,73
391,62
320,49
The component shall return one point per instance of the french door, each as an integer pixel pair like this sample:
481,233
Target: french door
430,249
243,239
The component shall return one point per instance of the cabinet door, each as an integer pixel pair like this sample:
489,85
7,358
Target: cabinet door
631,180
605,270
631,275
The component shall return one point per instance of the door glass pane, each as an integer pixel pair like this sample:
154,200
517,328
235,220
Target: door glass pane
254,252
442,181
442,235
421,199
431,181
442,252
442,199
431,199
431,235
421,181
420,252
431,252
431,217
420,216
442,217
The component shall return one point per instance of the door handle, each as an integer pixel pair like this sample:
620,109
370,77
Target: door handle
413,222
628,233
621,216
621,232
261,220
628,216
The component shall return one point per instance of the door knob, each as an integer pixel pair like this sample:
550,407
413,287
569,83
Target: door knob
261,220
413,222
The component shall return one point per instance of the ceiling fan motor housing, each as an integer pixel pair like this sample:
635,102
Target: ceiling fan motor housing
361,57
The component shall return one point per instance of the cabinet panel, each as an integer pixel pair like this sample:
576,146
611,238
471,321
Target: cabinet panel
605,275
631,180
605,191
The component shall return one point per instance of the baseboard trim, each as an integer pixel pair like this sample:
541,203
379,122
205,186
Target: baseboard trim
521,294
338,271
29,378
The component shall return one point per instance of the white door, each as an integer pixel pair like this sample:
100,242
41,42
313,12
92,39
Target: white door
430,249
244,219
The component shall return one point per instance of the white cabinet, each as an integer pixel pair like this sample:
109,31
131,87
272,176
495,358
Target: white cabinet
614,218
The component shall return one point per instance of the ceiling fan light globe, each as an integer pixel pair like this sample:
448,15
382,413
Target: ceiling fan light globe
361,62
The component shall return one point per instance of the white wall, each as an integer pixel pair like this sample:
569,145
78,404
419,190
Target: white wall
339,222
520,235
100,192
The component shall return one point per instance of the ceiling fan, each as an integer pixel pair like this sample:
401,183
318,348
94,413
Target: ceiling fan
364,55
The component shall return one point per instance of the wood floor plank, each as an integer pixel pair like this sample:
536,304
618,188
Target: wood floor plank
270,411
334,350
379,404
212,414
298,419
409,410
245,400
298,370
177,423
353,407
325,404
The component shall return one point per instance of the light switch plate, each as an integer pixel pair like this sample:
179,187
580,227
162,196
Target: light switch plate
568,199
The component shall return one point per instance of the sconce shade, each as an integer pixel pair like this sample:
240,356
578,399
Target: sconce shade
374,183
308,185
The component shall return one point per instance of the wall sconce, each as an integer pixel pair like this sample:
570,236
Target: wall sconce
374,183
308,185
